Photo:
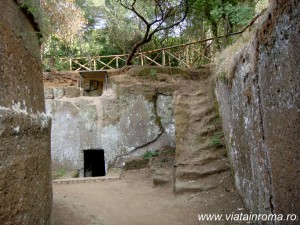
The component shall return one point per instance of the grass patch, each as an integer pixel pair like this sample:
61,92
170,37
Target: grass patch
218,139
223,78
60,172
150,154
56,174
153,73
226,61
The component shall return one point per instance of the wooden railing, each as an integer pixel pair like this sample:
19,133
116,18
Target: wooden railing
185,55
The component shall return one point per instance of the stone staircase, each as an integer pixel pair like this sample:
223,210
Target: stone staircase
200,160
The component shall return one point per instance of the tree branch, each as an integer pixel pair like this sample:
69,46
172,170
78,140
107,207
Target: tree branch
163,12
132,8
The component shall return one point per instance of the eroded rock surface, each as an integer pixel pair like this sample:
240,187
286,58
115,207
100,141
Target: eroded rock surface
145,109
260,111
25,187
124,121
200,155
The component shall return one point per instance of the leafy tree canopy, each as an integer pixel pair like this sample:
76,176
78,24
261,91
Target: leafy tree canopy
106,27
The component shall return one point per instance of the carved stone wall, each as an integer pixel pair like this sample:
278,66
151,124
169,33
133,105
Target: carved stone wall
25,187
260,111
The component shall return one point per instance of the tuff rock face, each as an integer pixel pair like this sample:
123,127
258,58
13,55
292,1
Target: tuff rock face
145,109
25,187
260,112
116,125
122,123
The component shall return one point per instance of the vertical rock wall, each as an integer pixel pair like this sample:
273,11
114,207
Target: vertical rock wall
25,187
125,125
260,112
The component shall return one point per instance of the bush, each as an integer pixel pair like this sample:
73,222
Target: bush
150,154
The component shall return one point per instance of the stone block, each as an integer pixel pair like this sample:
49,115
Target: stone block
58,92
48,92
136,163
72,92
162,177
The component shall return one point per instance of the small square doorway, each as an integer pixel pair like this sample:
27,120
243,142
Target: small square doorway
94,163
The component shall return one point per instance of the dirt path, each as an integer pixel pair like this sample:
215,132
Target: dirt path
133,200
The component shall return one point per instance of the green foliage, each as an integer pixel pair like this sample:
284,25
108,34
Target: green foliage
153,73
232,172
239,15
222,77
107,28
216,121
60,172
219,17
225,61
217,139
150,154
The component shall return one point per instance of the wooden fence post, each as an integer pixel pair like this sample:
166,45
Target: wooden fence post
187,55
142,59
70,64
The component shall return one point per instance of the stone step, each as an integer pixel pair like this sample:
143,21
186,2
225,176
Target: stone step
112,174
201,144
202,157
202,111
197,102
208,130
192,172
204,120
203,184
193,95
207,146
162,176
210,118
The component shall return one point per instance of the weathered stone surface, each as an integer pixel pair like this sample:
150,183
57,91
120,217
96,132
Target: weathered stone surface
21,36
260,112
136,163
118,125
25,168
61,79
138,122
194,172
48,92
58,92
165,113
199,160
25,188
124,121
206,183
65,121
136,115
162,177
71,92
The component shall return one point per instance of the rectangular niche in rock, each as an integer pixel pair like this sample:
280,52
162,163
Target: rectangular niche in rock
93,82
94,163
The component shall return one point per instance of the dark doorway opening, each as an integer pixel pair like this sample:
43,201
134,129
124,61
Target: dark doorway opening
94,163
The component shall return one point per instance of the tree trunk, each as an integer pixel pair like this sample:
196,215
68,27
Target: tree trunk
134,50
214,29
